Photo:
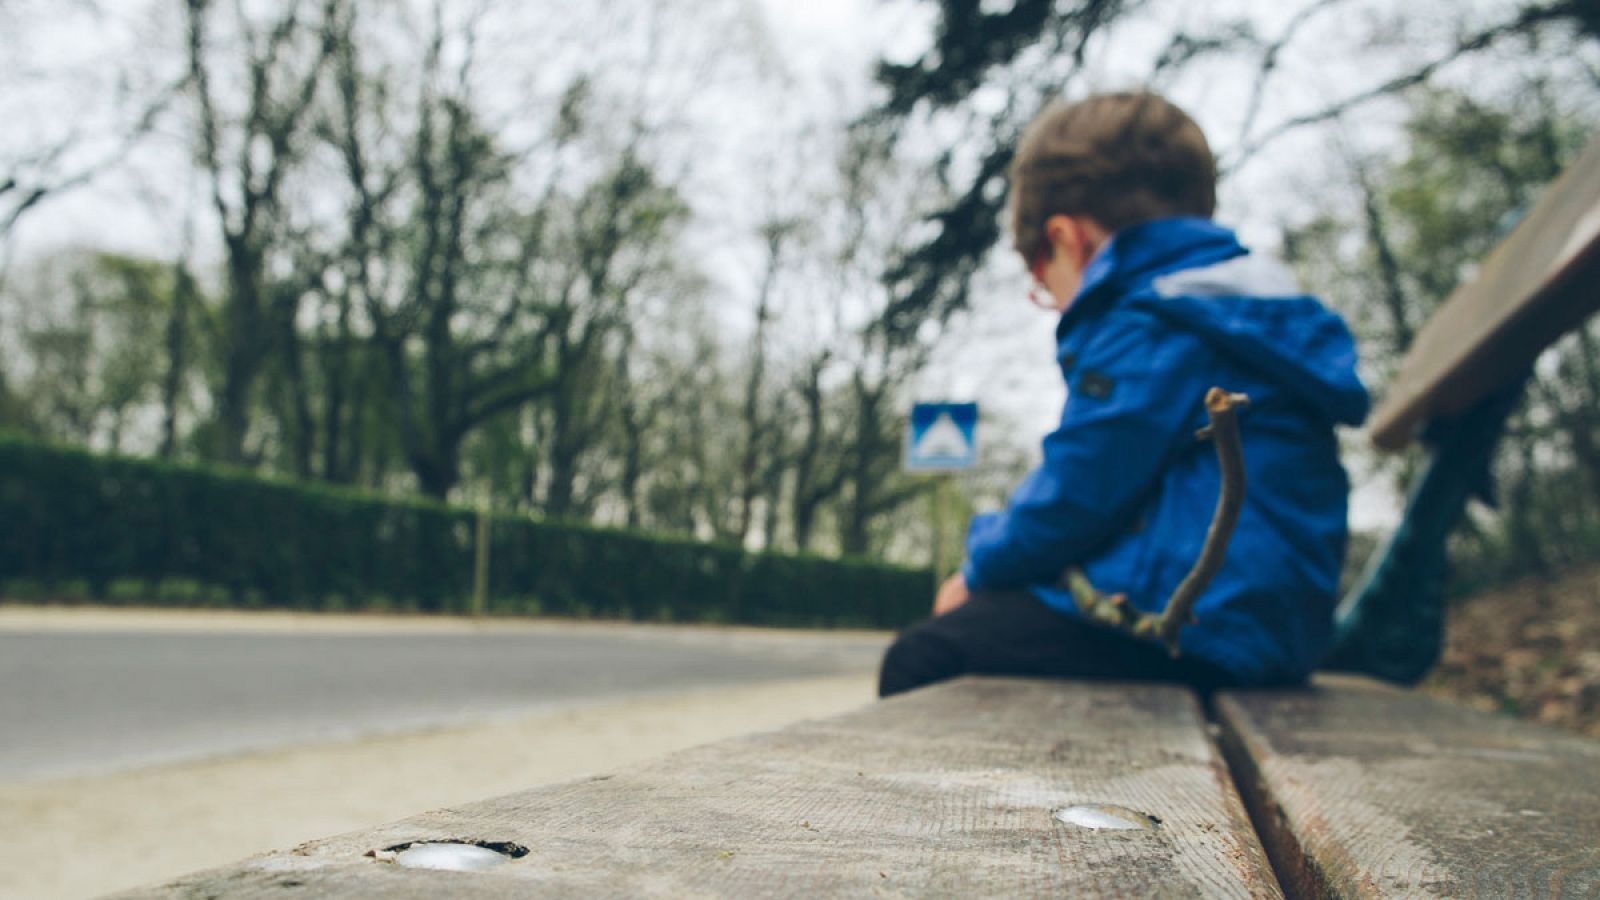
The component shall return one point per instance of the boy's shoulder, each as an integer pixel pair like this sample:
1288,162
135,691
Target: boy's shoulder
1250,311
1249,274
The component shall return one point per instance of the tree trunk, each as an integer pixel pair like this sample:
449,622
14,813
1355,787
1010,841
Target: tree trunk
336,382
633,432
1522,533
302,425
811,488
183,290
755,428
1582,430
854,539
564,448
1393,294
243,351
438,472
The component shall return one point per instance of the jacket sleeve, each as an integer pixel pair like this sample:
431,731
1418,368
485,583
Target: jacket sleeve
1135,396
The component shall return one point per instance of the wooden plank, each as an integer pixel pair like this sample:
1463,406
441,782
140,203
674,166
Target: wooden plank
944,792
1542,281
1361,790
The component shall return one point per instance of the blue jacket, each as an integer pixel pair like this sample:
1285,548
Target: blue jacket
1168,309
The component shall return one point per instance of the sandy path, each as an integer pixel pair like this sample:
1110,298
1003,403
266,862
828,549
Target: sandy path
86,836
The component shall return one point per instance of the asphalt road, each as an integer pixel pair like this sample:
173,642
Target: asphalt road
74,702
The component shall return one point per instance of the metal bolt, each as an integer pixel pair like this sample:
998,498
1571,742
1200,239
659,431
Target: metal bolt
1101,817
449,856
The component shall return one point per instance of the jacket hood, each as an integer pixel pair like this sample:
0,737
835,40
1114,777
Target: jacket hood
1194,274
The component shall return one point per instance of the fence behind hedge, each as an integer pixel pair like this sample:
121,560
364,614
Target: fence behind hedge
68,516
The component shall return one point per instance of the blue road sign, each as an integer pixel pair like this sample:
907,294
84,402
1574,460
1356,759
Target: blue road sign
943,437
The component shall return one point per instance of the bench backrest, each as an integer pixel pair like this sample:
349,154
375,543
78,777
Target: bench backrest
1542,281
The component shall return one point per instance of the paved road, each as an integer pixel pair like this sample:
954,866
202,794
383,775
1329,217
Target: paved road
83,701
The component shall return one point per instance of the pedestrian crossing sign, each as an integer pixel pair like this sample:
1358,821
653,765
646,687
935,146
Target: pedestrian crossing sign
943,437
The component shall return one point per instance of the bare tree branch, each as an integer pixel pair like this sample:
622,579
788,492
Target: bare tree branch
31,195
1184,48
1530,18
1269,62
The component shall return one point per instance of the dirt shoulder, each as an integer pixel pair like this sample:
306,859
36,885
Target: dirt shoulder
63,617
1531,649
87,836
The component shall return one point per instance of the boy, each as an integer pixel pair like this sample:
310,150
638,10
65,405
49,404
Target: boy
1110,207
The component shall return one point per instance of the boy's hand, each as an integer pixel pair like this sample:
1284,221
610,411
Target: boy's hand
952,594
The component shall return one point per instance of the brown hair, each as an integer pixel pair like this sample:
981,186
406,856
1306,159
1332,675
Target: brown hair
1119,159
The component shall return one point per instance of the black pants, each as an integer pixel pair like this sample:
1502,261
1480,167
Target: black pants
1017,634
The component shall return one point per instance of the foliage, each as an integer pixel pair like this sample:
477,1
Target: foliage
1472,169
92,327
1472,165
71,515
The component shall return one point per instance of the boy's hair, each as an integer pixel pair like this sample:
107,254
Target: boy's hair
1119,159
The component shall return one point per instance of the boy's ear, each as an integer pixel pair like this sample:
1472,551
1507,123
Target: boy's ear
1077,236
1065,235
1057,228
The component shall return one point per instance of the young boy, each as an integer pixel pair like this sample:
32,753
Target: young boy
1110,207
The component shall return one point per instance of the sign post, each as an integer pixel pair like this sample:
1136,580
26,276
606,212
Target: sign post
942,438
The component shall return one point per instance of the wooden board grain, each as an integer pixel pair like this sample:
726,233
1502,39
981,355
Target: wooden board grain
1540,282
944,792
1362,790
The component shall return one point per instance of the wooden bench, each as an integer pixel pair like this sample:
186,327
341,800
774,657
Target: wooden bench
1365,790
955,791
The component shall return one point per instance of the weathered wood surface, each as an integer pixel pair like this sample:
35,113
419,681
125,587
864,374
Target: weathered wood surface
945,792
1540,282
1362,790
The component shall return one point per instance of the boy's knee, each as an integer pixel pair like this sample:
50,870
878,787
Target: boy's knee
917,657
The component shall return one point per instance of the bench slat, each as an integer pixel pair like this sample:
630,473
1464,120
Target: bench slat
948,791
1542,281
1362,790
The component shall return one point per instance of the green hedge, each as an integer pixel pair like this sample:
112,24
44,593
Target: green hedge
68,516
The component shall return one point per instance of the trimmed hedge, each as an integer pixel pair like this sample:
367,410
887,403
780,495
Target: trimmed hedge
72,516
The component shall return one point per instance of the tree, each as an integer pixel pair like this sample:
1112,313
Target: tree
248,158
869,358
819,470
484,297
462,312
757,468
691,487
94,323
179,342
1471,166
623,226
